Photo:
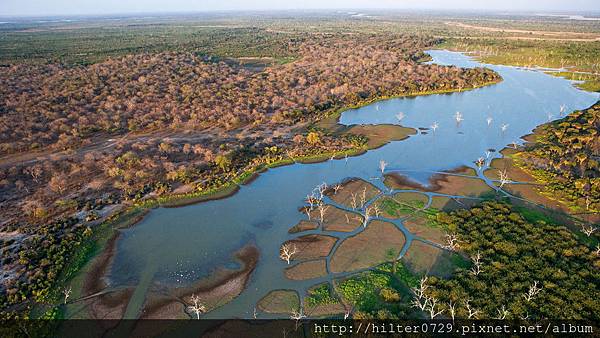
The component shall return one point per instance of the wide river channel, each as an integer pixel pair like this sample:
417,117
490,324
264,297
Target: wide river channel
180,245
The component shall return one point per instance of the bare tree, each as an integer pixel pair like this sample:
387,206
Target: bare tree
476,269
353,202
533,291
297,316
452,310
503,178
433,309
488,154
382,165
336,188
322,210
307,212
502,313
421,300
363,197
66,292
376,210
472,312
347,218
400,116
287,251
451,242
588,229
197,307
480,162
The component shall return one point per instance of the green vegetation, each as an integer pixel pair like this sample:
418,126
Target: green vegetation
517,254
320,295
580,60
565,157
379,293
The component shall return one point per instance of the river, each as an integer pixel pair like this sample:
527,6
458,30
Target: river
177,246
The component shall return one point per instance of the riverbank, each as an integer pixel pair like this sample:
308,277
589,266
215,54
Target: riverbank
378,136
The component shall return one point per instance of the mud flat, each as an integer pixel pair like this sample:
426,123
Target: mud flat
440,183
312,246
280,301
303,225
307,270
378,243
425,259
214,291
353,187
337,219
419,225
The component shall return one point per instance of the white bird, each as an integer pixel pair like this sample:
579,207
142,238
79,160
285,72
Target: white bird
489,121
504,127
562,108
434,126
377,107
400,116
550,116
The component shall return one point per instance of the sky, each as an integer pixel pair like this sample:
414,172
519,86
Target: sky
91,7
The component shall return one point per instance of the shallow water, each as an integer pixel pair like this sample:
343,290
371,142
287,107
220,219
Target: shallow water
178,246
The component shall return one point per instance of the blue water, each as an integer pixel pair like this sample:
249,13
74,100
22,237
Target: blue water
177,246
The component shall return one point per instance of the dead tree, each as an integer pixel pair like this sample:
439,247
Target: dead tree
336,188
472,312
597,249
452,310
363,197
476,269
197,307
287,251
382,165
433,309
322,210
421,300
502,313
503,178
451,242
588,230
532,292
66,292
353,202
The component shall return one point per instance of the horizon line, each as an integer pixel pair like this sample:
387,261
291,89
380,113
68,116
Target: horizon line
275,10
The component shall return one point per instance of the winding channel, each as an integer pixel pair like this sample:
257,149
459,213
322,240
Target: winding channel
177,246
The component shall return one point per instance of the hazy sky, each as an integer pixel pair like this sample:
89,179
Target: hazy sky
59,7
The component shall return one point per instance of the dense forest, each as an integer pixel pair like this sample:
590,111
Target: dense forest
522,268
566,156
83,141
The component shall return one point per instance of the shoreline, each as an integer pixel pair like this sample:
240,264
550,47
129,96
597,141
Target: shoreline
232,187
